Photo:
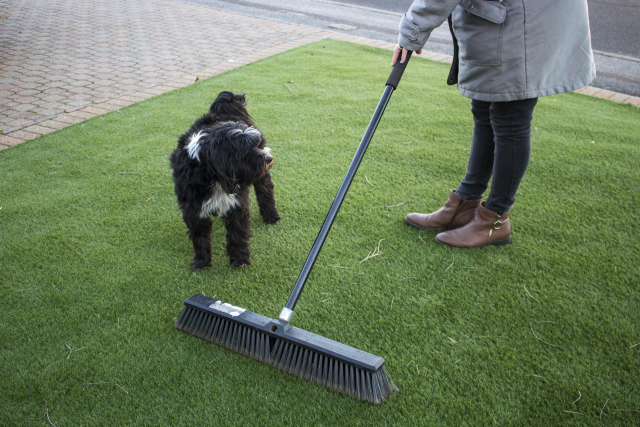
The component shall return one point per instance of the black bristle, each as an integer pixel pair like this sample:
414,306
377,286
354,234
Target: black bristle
371,386
207,324
184,314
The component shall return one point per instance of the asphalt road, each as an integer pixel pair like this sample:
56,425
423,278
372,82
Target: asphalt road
615,24
614,27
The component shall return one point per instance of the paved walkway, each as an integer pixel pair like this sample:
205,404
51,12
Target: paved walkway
65,61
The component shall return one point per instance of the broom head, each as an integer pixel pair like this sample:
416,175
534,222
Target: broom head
304,354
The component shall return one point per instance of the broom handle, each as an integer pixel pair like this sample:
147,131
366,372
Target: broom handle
392,84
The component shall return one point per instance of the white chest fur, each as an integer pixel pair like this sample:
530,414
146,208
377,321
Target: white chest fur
219,204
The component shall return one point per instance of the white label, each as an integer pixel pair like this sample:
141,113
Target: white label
227,308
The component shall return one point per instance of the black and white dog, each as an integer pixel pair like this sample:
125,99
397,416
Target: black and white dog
217,160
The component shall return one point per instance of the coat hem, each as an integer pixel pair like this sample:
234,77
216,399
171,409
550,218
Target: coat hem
536,93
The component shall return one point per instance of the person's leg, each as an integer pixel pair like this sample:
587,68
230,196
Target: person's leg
461,206
481,153
511,123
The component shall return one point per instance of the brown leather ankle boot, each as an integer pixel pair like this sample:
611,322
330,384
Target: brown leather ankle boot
452,215
486,228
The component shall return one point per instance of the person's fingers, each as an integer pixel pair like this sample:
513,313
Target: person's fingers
395,57
403,57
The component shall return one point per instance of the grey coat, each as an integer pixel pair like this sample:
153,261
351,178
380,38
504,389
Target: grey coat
510,49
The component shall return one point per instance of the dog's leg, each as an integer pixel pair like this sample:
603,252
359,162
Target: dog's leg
238,224
200,235
266,199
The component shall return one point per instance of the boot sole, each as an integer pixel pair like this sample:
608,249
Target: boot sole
413,224
496,243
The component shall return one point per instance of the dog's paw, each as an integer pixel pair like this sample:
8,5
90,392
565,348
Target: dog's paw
199,264
240,263
272,218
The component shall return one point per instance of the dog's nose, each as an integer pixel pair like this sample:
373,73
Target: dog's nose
269,158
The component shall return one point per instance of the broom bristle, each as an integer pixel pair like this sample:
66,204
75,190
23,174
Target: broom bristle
297,360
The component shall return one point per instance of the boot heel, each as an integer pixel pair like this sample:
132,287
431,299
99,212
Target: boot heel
501,242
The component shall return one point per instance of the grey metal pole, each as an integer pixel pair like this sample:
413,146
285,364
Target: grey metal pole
392,84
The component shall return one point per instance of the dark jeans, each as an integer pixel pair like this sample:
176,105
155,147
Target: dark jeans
501,146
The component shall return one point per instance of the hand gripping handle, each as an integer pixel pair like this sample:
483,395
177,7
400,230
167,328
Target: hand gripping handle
397,71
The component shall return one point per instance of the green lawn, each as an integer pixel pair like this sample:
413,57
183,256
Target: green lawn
94,259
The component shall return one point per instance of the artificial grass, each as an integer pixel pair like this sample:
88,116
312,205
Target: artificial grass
95,256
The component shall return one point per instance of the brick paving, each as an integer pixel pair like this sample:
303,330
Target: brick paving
64,61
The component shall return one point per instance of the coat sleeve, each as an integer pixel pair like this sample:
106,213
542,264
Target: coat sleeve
421,19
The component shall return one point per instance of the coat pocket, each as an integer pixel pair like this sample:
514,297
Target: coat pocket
479,25
409,30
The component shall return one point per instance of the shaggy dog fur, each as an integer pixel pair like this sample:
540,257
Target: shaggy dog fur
217,160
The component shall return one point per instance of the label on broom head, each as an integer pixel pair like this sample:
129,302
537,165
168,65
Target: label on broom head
227,308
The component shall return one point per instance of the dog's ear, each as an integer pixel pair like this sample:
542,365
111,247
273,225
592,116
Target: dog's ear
218,162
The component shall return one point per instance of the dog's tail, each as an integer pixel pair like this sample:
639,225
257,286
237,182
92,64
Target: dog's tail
232,104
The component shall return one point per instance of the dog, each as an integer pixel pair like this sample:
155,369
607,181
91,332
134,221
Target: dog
217,160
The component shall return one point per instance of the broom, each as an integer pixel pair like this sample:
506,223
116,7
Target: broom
293,350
